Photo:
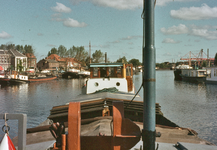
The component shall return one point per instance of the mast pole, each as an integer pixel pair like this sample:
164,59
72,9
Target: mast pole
149,81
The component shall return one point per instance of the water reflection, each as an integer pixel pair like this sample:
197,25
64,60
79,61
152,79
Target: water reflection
36,99
187,104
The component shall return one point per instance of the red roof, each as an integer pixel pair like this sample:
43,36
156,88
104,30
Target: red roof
66,59
55,57
1,68
30,55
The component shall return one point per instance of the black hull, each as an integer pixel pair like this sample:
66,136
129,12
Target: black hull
177,74
194,79
73,75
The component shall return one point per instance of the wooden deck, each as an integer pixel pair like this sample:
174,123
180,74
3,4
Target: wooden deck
169,135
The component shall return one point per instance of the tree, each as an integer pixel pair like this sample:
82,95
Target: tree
78,53
204,64
122,60
215,61
52,51
19,65
72,52
28,49
135,62
7,46
20,48
97,56
62,51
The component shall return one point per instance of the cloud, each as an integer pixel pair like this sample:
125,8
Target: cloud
40,34
207,32
61,8
73,23
131,37
195,13
164,2
167,54
169,40
51,45
117,4
180,29
4,35
117,41
57,17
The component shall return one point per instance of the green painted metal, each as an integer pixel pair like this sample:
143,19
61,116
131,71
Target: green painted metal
149,83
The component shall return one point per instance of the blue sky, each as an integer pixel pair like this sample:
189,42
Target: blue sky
113,26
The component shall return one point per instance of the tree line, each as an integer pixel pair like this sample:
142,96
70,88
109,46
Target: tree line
22,49
77,52
81,55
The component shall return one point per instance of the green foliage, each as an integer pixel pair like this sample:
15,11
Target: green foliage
97,57
135,62
28,49
52,51
78,53
165,65
62,51
20,48
122,60
204,63
19,66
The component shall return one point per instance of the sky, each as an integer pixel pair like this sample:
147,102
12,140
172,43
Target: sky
112,26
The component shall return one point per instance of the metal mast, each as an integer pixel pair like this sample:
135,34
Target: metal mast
149,81
90,51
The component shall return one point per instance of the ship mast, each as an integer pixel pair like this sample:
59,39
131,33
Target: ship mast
149,81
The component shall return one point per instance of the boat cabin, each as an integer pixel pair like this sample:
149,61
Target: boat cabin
110,75
211,75
194,72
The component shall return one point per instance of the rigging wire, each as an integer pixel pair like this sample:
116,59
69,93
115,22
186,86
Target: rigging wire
135,95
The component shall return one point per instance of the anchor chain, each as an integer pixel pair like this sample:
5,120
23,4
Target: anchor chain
6,127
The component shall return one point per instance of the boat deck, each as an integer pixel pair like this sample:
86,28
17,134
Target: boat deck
169,136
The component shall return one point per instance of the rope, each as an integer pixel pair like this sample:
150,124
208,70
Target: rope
135,95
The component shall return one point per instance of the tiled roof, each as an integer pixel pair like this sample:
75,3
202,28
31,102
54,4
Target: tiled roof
55,57
64,59
15,53
30,55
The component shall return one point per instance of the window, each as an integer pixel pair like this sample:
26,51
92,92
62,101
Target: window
95,72
215,72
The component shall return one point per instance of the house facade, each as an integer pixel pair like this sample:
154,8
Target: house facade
31,60
18,60
5,59
48,64
65,63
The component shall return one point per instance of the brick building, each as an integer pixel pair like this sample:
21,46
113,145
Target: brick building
48,64
65,63
5,59
31,60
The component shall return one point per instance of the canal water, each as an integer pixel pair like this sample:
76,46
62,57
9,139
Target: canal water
186,104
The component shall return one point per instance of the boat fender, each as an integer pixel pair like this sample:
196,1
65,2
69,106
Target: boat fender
6,143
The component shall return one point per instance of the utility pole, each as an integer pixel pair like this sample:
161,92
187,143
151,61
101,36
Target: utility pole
208,60
90,51
149,81
189,62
